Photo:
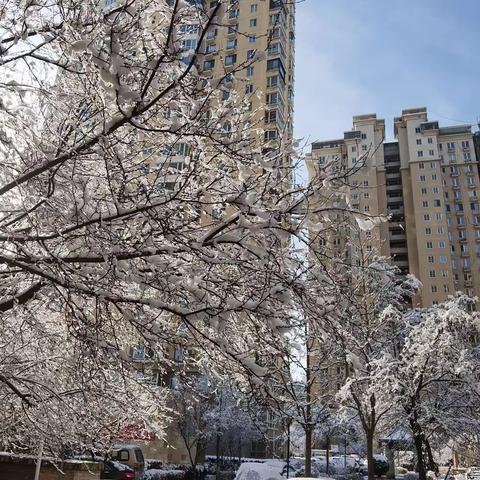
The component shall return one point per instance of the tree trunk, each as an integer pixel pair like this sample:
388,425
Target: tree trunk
432,465
217,452
327,468
308,407
421,469
308,452
370,463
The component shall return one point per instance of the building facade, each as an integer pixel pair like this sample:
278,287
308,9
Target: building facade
428,183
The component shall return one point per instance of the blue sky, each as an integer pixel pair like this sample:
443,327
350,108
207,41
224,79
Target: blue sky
364,56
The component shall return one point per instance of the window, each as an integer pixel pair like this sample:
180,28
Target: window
234,13
430,140
428,231
354,148
445,272
471,181
420,153
434,176
426,217
250,71
253,8
431,259
435,190
272,81
465,144
252,39
459,207
422,178
439,230
425,204
417,130
364,148
467,156
250,54
443,259
446,289
464,248
457,194
451,145
123,455
421,165
438,216
225,95
434,289
460,221
232,29
452,158
274,48
437,203
249,88
419,141
208,64
431,152
271,135
366,208
365,183
232,43
432,274
253,23
272,98
364,136
424,191
466,262
441,244
429,245
189,44
433,164
212,33
271,116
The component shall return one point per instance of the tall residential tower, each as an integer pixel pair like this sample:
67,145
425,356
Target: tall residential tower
428,183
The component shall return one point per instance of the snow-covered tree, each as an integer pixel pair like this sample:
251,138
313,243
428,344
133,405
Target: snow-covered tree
370,325
230,423
432,380
138,207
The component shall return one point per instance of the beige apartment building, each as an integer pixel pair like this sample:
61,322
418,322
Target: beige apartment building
251,49
428,183
256,40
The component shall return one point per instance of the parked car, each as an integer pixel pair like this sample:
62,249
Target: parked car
130,455
114,470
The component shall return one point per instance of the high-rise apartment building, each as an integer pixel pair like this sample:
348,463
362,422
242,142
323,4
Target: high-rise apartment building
428,183
249,52
256,40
